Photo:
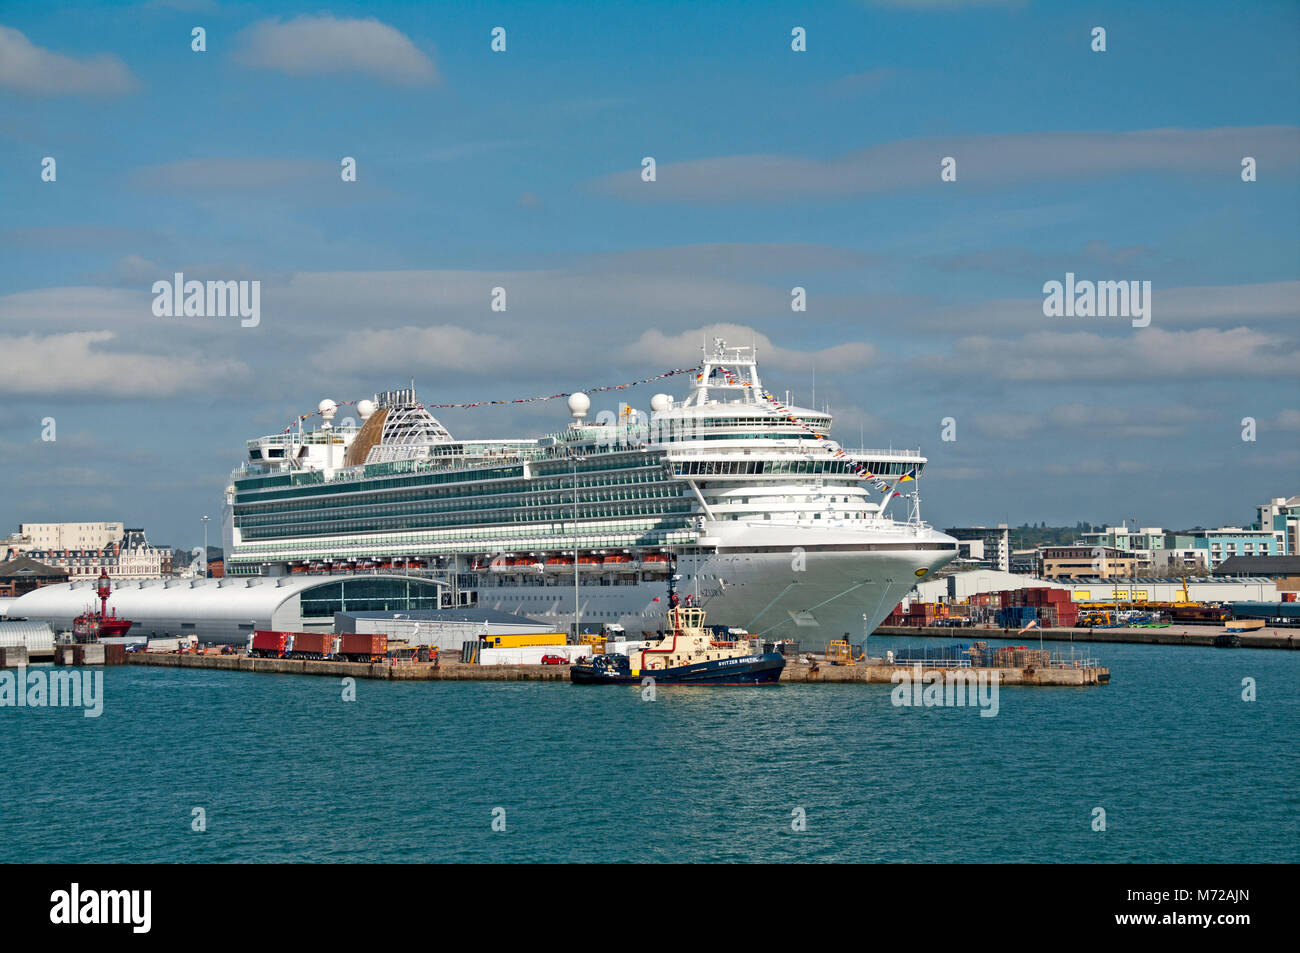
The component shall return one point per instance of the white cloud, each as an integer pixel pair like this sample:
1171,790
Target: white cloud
1228,303
75,363
89,307
1287,420
654,347
1098,468
438,348
236,174
322,45
991,160
137,270
29,68
1007,426
1220,306
1141,420
1147,354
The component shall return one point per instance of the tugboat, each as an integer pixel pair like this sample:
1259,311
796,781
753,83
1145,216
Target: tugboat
688,655
91,626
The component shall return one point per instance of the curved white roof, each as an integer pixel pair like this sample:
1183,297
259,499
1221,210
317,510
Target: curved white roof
230,600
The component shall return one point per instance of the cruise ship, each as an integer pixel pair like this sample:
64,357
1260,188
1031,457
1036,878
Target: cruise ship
727,499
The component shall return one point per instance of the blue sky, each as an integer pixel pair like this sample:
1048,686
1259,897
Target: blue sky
775,169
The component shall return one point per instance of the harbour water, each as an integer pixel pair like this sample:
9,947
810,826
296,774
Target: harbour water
285,770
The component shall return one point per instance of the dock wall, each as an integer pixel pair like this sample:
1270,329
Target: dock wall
456,671
1203,635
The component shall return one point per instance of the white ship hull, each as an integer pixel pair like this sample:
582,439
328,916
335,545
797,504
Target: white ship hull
811,594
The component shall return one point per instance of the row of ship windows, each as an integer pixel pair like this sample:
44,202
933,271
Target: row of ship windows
668,435
564,583
523,496
644,533
283,528
313,495
314,483
276,527
472,470
479,513
756,467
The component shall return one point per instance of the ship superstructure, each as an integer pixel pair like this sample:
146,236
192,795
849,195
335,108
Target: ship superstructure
767,521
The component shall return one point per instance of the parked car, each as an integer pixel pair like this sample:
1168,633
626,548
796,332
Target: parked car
554,660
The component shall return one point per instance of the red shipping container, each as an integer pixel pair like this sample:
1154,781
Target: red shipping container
362,647
312,644
268,644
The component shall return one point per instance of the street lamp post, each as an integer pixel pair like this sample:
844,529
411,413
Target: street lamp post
205,546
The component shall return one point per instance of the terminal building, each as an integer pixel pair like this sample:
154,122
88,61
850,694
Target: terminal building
226,611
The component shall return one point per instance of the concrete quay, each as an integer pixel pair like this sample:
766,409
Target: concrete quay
453,671
1174,635
444,671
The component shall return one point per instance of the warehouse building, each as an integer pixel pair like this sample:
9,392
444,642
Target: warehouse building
23,574
959,587
1284,570
36,637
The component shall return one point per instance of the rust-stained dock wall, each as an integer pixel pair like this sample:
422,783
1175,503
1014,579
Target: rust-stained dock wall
456,671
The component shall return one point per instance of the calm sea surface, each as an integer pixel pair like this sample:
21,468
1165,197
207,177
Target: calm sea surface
284,770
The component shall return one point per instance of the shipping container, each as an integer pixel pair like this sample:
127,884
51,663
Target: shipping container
267,644
363,647
311,645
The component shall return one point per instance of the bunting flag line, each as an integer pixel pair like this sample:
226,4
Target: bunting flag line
518,400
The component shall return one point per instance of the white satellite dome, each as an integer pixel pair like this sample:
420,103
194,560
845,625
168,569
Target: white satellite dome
579,404
327,410
365,408
661,402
